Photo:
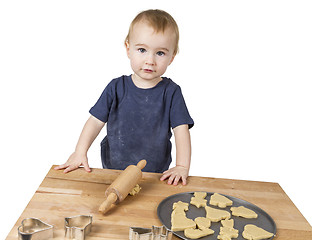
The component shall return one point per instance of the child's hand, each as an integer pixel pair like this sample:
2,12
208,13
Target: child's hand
74,161
175,174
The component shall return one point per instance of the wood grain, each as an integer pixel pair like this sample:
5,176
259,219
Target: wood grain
63,195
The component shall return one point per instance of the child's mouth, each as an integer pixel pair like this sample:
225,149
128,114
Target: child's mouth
148,70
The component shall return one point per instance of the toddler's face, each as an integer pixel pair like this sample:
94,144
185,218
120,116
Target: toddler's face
150,53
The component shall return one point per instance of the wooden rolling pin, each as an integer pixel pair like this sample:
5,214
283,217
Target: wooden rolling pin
122,185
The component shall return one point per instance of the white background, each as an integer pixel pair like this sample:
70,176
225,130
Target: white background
244,68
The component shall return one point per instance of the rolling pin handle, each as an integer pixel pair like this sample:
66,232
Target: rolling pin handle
111,198
141,164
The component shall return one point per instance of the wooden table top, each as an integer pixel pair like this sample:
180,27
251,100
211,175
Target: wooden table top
80,193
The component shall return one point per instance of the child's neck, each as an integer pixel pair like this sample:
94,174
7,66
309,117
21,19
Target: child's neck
144,84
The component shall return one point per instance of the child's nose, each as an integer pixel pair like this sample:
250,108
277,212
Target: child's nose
150,60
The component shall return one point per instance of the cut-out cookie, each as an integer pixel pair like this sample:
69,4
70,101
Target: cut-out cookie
197,233
252,232
227,232
228,223
199,199
218,200
243,212
203,229
179,221
215,215
180,206
202,222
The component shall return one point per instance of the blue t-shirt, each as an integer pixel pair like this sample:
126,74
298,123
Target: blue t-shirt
139,123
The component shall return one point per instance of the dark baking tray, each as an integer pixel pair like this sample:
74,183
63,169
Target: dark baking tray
264,220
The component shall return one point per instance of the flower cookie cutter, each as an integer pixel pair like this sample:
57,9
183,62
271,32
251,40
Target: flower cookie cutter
34,229
154,233
77,227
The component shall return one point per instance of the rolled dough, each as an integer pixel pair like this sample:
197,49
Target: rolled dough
202,222
243,212
252,232
227,231
179,221
199,199
221,201
215,215
197,233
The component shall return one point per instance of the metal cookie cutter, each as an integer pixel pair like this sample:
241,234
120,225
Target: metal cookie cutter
34,229
154,233
77,227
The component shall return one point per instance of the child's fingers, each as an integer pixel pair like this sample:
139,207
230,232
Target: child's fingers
165,175
70,168
176,180
174,177
183,180
62,166
170,180
86,167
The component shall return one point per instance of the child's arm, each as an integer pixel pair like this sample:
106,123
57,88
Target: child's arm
79,158
183,156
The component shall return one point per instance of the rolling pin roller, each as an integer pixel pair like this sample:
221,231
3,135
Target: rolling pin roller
122,185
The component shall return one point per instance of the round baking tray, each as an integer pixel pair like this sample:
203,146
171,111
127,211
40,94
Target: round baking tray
164,211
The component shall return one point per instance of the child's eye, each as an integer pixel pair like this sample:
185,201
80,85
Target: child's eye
160,53
141,50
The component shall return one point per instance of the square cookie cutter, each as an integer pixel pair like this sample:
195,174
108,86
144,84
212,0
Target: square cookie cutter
77,227
154,233
34,229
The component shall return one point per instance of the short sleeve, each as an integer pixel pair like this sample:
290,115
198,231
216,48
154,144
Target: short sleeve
179,113
102,107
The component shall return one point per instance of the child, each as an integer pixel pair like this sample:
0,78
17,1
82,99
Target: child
141,108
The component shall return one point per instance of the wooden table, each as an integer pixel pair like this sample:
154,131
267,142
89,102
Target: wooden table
63,195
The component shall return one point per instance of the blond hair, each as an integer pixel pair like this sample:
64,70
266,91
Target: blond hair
160,21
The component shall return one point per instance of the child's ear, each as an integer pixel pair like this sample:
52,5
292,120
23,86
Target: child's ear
127,47
172,59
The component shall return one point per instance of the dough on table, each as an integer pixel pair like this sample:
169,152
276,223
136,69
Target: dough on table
202,222
135,190
197,233
215,215
179,221
252,232
221,201
199,199
227,231
243,212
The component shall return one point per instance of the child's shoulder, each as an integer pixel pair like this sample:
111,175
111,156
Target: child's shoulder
122,82
171,86
170,83
117,83
119,80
